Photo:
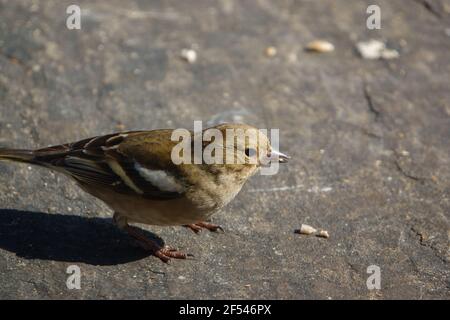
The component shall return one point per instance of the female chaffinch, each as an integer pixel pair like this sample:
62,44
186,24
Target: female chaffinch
135,175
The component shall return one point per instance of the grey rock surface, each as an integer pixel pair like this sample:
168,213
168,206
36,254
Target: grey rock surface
369,142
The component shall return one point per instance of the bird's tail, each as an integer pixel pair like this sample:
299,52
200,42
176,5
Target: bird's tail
19,155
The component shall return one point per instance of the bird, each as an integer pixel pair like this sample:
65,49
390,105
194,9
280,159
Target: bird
134,174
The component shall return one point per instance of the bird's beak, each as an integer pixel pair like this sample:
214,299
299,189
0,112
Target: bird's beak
278,156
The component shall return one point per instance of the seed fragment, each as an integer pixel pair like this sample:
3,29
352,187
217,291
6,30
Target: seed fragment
323,234
271,52
306,229
320,46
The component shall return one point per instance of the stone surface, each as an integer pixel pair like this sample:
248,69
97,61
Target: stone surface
369,142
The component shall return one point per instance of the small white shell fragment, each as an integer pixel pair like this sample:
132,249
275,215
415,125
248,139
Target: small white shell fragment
189,55
320,46
306,229
271,51
375,49
370,49
323,234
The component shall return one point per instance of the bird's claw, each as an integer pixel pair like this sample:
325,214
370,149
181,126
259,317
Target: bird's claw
166,253
197,227
163,253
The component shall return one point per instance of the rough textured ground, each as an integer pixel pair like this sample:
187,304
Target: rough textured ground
369,141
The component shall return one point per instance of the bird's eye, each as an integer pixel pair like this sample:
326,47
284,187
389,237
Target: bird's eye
250,152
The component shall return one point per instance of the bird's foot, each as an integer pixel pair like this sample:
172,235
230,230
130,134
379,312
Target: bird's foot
167,252
197,227
163,253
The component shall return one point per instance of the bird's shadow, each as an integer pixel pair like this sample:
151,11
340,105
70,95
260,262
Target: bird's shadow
68,238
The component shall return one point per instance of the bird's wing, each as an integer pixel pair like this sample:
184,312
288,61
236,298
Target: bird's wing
99,161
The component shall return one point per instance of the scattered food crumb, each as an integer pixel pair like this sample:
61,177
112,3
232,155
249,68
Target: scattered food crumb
323,234
404,153
320,46
181,278
247,285
306,229
189,55
375,49
278,253
389,54
271,52
370,49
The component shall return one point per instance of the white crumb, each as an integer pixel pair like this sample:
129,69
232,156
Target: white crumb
189,55
375,49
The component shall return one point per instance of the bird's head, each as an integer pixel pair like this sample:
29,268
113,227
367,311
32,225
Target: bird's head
238,150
